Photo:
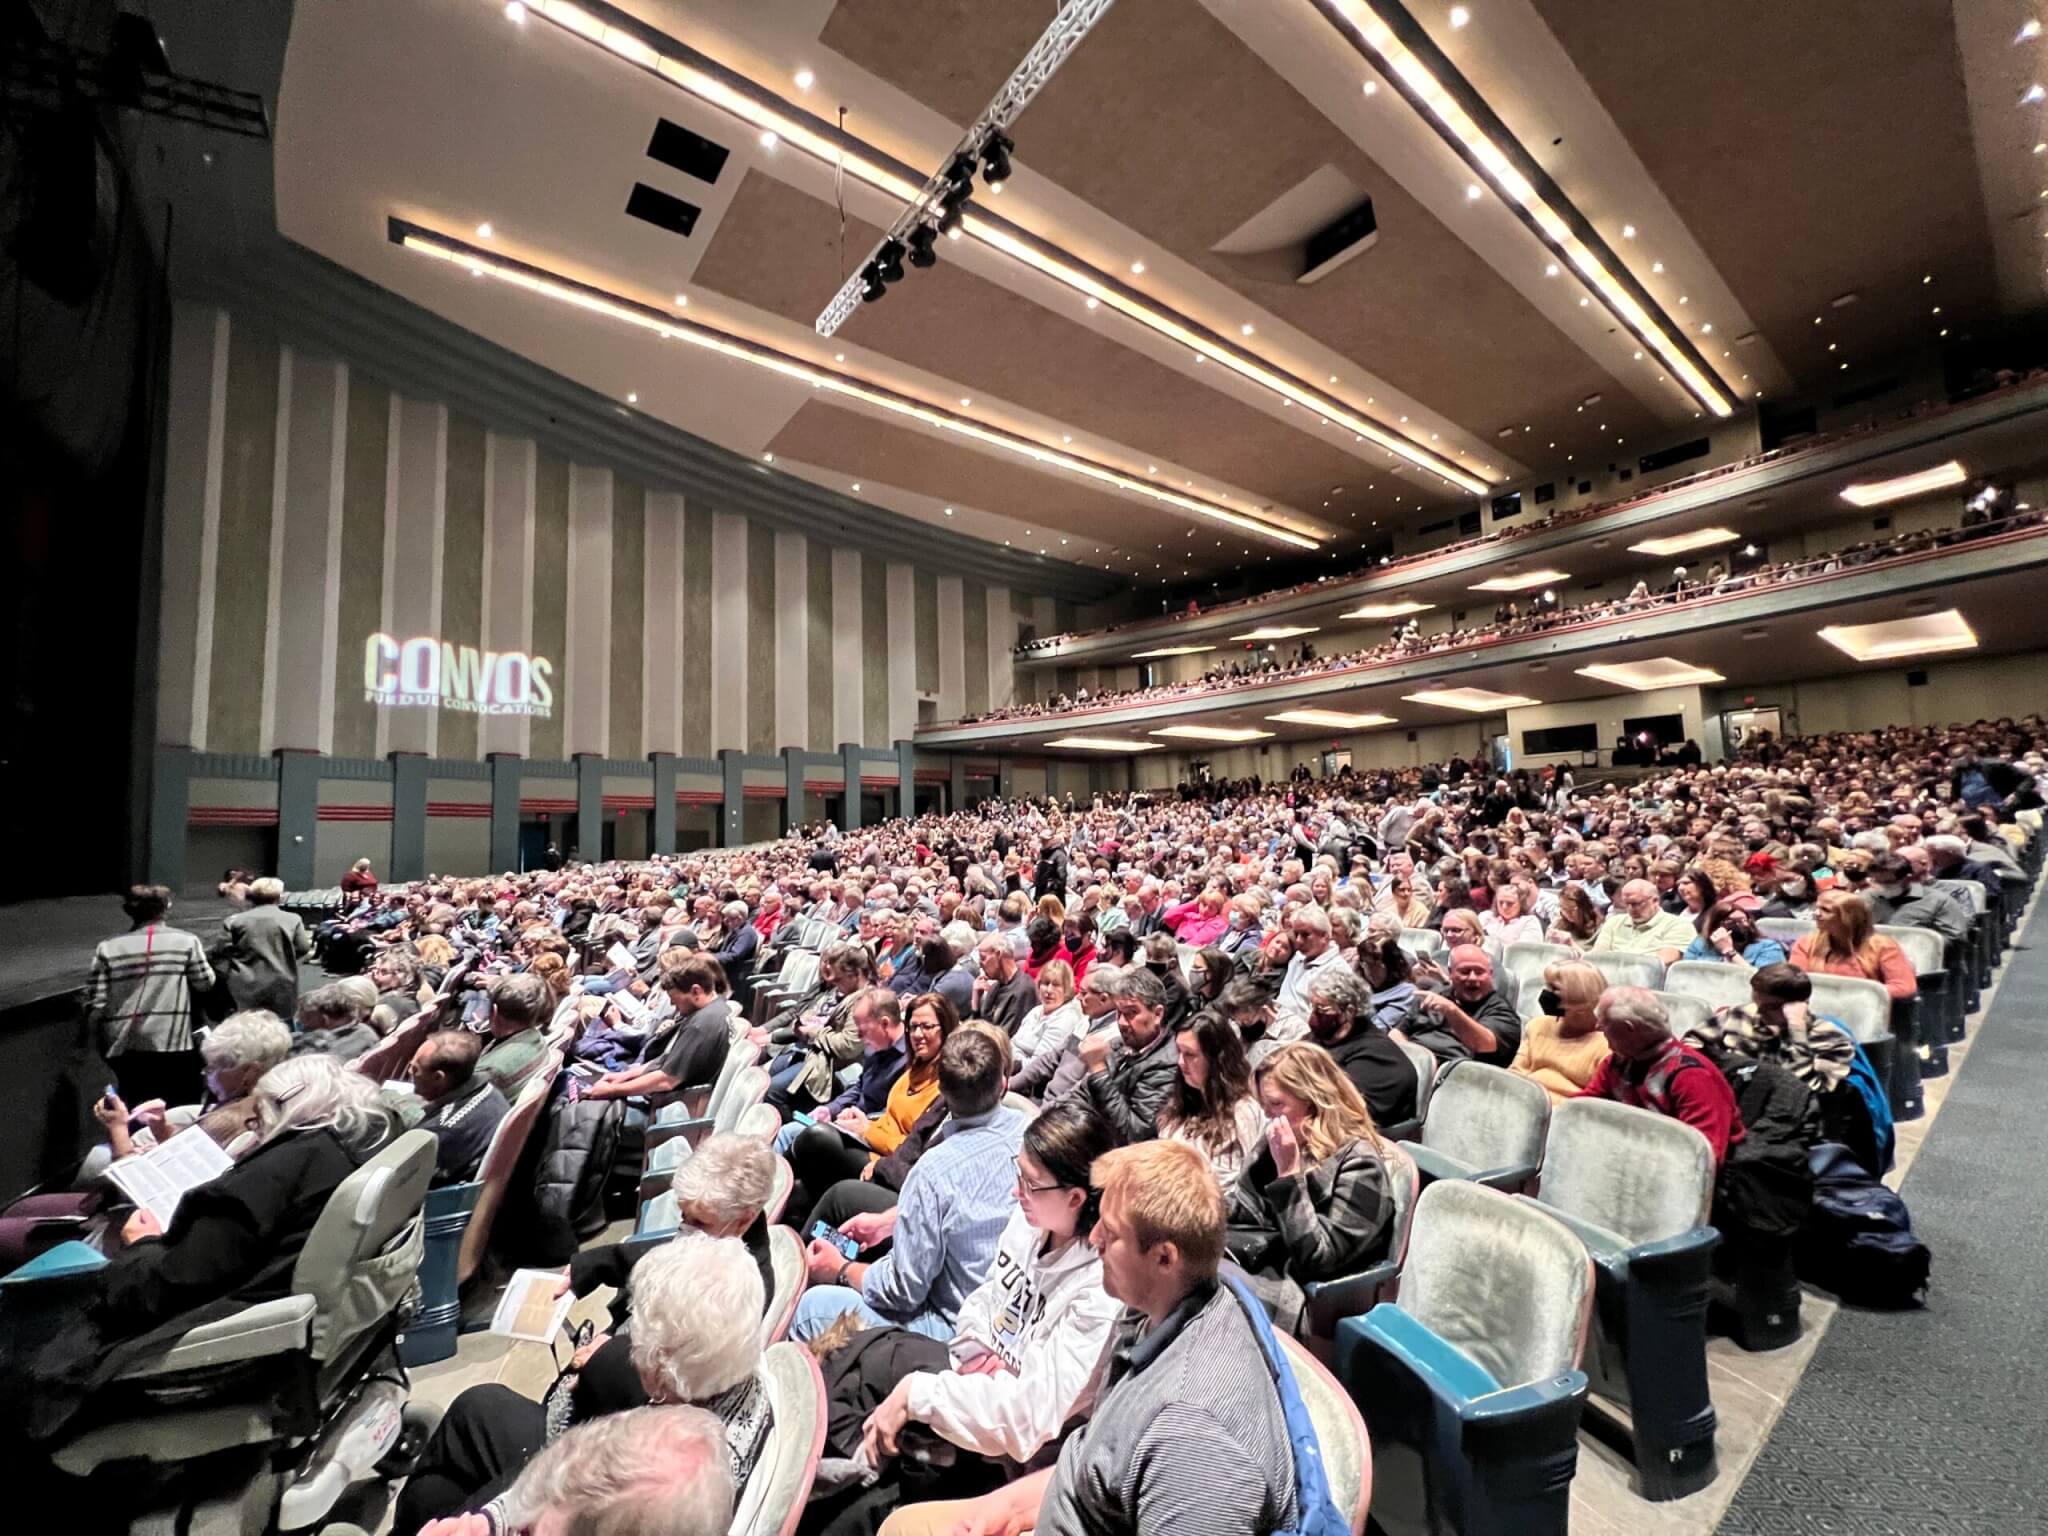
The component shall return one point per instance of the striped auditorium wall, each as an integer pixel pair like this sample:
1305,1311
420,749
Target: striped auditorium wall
308,507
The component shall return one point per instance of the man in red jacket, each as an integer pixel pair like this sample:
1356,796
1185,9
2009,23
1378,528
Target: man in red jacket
1652,1069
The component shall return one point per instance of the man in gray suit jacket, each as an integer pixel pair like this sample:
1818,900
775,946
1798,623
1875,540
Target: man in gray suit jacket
265,945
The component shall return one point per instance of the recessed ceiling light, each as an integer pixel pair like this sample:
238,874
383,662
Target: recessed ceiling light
1336,719
1473,192
1684,543
838,357
1628,231
1656,266
856,485
949,511
1093,303
1656,672
483,231
1459,15
1372,87
1387,610
1898,638
768,458
632,399
514,11
1277,632
1875,493
1103,744
2029,30
1478,701
1137,269
768,141
2034,93
1521,583
1212,732
964,400
1246,328
803,79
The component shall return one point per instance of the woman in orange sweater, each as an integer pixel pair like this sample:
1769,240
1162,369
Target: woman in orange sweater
1846,943
851,1145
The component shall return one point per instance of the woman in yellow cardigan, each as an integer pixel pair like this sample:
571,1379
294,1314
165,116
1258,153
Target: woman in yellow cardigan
851,1145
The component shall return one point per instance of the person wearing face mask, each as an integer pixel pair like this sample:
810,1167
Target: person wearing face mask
1896,896
1055,1071
1162,959
1241,932
1728,935
1562,1047
1794,897
1379,1069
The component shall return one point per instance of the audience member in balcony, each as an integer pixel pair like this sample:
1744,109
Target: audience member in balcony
1651,1069
1313,1202
1846,943
1731,937
1562,1047
1212,1105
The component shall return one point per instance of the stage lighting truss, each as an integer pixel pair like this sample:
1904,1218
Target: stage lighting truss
986,143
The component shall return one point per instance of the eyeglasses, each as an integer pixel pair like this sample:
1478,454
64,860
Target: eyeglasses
1031,1189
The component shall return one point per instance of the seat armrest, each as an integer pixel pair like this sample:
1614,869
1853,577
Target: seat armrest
1510,1179
1331,1301
1403,1131
1677,1259
1450,1373
1432,1164
268,1328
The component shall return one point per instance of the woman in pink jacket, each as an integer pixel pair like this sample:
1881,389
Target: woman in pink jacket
1200,922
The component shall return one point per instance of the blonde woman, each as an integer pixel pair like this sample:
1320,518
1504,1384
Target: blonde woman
1846,943
1562,1047
1313,1202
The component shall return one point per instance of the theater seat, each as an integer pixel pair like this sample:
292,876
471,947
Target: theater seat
748,1088
1686,1013
1426,943
786,1258
303,1373
1715,983
1933,1027
773,1502
1340,1433
1522,966
691,1111
1645,971
1484,1125
1636,1187
1425,1064
1330,1301
1864,1009
1470,1382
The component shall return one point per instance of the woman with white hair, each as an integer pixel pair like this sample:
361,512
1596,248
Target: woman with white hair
689,1346
231,1243
236,1053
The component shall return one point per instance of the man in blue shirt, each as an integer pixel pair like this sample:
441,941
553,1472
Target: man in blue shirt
948,1219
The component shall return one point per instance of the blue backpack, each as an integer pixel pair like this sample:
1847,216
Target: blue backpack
1316,1514
1868,1087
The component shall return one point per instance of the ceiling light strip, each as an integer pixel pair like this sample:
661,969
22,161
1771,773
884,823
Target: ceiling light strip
552,285
1404,54
701,77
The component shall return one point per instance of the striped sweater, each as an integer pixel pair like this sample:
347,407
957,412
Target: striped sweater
141,990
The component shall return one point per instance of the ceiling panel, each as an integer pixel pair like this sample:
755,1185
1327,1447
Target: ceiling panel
1813,150
1163,119
866,448
778,248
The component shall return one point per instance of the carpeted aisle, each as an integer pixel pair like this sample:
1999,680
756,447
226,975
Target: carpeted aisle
1933,1423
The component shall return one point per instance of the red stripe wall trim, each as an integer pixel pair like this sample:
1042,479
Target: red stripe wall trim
230,816
459,810
700,797
354,813
764,792
555,807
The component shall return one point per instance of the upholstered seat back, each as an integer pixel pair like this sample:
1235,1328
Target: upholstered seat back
786,1258
1521,971
1628,970
1498,1279
748,1087
1861,1007
1425,1065
1633,1172
1426,942
774,1499
501,1159
1340,1432
1786,930
738,1057
1487,1117
1714,983
365,1248
1685,1012
1925,950
759,1120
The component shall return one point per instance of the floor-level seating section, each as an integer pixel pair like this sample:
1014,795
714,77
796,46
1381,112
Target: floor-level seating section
1331,1301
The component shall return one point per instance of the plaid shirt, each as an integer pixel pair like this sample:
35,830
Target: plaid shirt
141,990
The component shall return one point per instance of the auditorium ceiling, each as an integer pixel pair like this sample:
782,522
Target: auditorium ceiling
1118,366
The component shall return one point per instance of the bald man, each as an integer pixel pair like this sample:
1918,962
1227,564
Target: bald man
1643,927
1472,1021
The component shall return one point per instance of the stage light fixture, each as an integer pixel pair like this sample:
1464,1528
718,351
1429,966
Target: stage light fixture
871,285
889,261
995,159
922,239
